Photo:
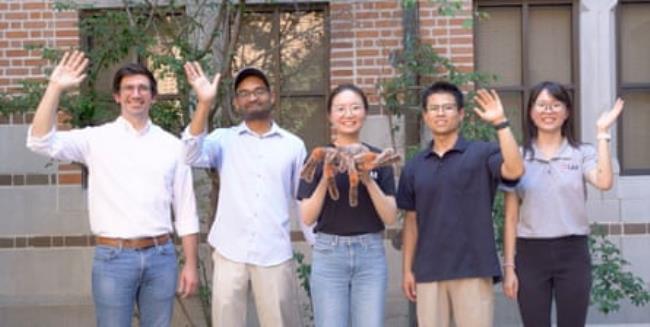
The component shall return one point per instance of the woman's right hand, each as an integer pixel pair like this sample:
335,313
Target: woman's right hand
408,286
510,283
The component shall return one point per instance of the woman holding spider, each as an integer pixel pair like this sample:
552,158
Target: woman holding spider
349,272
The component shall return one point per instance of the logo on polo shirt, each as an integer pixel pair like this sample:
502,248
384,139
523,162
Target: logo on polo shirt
373,174
570,166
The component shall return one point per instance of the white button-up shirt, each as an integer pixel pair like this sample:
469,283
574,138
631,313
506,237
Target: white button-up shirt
258,177
135,177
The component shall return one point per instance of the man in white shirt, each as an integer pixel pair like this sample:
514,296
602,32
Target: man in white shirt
136,175
259,168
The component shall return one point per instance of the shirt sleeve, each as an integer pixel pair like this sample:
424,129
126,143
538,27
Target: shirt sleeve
406,190
184,201
61,145
201,150
495,161
387,180
589,158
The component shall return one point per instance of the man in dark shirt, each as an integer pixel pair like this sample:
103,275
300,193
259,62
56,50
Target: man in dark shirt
447,190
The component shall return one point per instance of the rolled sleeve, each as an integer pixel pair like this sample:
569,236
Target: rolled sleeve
184,201
66,145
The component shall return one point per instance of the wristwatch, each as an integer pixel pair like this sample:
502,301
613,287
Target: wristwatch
502,125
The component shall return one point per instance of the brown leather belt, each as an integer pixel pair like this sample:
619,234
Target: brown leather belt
133,243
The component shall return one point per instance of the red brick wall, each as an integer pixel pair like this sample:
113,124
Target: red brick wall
363,33
362,36
26,22
447,34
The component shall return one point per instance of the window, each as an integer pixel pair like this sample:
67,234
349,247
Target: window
290,44
97,32
634,86
526,42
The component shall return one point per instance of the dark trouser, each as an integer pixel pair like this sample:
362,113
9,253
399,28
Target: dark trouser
556,267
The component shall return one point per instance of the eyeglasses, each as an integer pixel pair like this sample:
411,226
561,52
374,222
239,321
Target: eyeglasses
132,88
258,92
551,106
349,109
443,108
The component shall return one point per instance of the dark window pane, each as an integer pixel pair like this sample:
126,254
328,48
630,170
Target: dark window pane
635,43
636,119
499,44
549,50
514,111
303,53
305,116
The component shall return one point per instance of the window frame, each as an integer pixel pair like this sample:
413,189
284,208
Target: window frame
621,88
524,88
281,94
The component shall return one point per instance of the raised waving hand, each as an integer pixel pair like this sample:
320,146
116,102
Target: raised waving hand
489,108
70,71
206,90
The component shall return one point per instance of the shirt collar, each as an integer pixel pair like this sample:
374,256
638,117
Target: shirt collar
126,125
243,128
564,152
460,146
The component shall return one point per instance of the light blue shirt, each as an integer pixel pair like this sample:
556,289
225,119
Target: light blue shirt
258,176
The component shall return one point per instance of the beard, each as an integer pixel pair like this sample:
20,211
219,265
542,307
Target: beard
263,113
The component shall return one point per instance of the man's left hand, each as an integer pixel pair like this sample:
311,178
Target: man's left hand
490,108
188,282
205,90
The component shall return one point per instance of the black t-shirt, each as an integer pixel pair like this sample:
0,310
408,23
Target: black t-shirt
453,196
337,216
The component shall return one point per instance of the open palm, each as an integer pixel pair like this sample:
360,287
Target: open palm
609,117
489,108
205,90
69,73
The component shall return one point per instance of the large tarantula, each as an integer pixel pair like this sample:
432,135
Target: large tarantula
351,159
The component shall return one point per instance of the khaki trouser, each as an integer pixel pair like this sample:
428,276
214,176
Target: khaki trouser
469,300
274,290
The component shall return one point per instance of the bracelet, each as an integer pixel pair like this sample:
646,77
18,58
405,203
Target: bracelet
502,125
604,136
505,265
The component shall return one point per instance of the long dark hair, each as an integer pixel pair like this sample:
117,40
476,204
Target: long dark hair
560,93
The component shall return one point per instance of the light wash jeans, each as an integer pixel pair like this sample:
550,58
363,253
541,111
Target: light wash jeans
348,280
125,277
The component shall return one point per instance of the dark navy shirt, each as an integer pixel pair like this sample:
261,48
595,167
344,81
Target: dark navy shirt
452,196
337,216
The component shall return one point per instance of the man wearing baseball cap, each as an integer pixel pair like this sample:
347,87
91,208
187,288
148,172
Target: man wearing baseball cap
259,167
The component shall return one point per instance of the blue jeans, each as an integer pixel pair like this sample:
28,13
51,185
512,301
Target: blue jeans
348,280
125,277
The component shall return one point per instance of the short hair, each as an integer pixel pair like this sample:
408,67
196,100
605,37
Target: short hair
246,72
347,87
442,87
131,70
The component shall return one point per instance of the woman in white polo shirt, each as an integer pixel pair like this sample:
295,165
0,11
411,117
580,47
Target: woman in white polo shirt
546,253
